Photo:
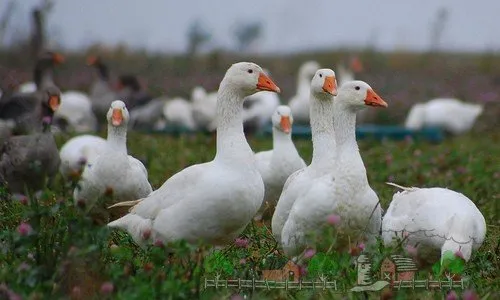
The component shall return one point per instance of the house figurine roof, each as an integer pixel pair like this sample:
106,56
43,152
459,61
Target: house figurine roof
403,264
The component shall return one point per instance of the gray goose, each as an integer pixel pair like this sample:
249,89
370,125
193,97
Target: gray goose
101,92
27,160
25,109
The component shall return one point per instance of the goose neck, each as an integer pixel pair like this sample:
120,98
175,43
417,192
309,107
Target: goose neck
322,130
231,141
117,138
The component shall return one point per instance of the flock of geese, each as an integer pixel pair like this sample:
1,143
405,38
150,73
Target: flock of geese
216,200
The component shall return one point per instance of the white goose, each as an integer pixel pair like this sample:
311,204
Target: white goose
204,106
179,112
212,201
77,152
76,111
278,164
434,220
345,191
323,88
113,171
452,115
300,102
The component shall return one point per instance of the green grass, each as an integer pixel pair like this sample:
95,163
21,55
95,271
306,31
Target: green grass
70,256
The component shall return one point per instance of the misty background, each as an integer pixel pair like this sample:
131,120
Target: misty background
279,26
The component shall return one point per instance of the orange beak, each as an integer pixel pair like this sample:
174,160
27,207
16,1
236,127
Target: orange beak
372,99
116,117
285,124
91,60
54,102
266,84
58,58
330,85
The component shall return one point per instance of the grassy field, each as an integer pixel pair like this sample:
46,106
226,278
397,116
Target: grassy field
62,254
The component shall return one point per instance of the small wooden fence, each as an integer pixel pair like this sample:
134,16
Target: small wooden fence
328,285
271,284
430,284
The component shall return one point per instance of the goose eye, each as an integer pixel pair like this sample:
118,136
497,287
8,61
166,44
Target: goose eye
250,71
320,75
357,88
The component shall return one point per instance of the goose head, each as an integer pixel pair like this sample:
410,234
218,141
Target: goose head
52,98
51,58
357,95
247,78
118,115
198,94
324,83
282,119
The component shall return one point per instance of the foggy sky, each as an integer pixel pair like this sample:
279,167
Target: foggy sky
161,25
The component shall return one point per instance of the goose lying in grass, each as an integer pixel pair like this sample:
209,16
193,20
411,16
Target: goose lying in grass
28,160
213,201
434,221
345,191
323,88
452,115
278,164
300,102
204,107
77,152
113,173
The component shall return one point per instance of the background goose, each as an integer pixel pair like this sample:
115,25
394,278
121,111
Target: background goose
75,113
149,116
453,115
27,160
101,91
26,109
131,92
213,201
77,152
179,112
113,171
204,106
345,191
278,164
434,220
300,102
323,88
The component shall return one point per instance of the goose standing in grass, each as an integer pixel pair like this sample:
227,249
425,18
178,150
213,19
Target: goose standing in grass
452,115
433,221
345,190
27,161
323,89
278,164
213,201
77,152
113,172
75,113
300,102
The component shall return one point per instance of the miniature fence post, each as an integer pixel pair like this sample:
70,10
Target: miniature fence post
239,283
462,283
253,283
267,284
205,283
427,284
413,283
217,281
286,284
300,284
335,285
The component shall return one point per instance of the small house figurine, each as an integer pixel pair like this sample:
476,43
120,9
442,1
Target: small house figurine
289,272
397,267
